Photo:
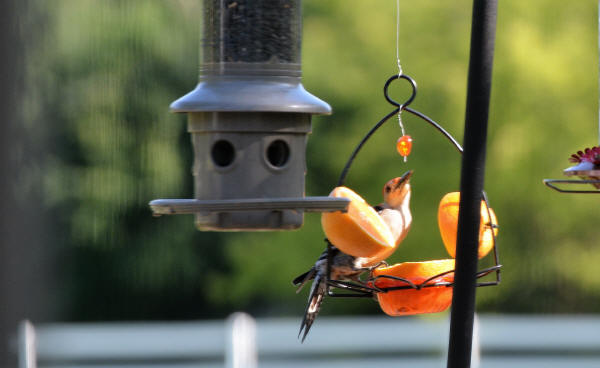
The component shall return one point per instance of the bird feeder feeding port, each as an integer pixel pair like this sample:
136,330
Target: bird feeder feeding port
249,118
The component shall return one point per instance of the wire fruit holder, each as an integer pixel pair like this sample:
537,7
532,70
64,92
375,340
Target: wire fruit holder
368,288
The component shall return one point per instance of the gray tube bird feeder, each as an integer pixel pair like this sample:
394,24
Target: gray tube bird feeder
249,119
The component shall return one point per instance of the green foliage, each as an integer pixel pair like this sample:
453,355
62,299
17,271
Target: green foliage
104,73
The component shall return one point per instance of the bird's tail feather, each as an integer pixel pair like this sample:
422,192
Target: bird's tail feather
315,298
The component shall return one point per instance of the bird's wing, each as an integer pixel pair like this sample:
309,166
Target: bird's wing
310,274
301,280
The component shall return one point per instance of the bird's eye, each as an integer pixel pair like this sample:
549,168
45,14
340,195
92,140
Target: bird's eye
388,188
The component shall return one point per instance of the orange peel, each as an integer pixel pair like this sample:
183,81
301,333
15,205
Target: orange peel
360,231
448,224
411,301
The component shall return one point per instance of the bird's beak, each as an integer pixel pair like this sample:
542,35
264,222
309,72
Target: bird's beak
404,178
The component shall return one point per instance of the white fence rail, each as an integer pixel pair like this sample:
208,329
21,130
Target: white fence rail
242,342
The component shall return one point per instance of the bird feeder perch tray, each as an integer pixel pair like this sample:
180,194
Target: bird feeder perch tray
191,206
552,183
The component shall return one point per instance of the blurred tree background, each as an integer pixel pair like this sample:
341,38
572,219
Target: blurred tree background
100,75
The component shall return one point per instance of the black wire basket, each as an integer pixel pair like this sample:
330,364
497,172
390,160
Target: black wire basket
368,288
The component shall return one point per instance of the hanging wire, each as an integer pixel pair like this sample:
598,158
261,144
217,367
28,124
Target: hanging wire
398,37
399,65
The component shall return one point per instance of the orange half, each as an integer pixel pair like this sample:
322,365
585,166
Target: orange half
406,302
360,231
448,223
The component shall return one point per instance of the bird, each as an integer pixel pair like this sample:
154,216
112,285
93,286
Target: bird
394,211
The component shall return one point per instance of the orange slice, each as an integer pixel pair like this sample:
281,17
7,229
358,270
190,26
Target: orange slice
448,223
405,302
360,231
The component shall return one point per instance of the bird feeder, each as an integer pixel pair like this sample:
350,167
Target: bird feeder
586,163
249,118
410,287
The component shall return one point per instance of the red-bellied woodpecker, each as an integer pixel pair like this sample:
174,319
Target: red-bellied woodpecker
394,211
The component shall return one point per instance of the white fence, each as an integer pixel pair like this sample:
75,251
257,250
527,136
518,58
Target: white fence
242,342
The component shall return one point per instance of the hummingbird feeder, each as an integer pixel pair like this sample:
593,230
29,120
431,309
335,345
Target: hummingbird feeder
587,168
249,118
586,163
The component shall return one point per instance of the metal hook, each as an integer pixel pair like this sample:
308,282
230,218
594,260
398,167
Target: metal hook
412,96
389,115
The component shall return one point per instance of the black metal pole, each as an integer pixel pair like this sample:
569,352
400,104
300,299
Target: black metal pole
483,31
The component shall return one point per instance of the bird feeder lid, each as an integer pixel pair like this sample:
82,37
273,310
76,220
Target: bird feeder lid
251,94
